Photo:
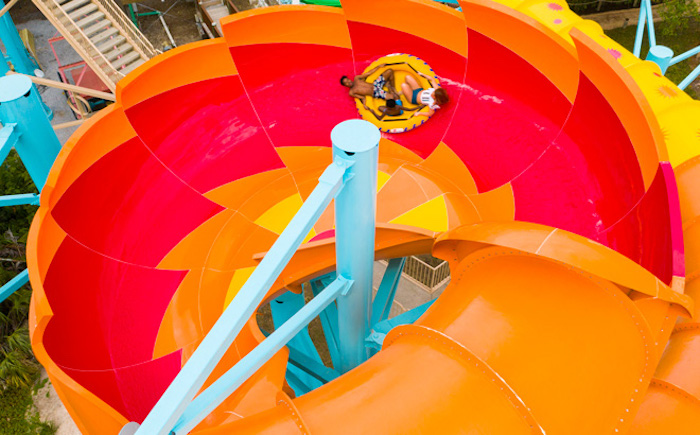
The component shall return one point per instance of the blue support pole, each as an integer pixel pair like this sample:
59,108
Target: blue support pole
14,284
690,78
213,396
387,290
650,23
381,329
8,139
661,56
21,199
38,145
687,55
639,38
355,209
182,390
283,308
329,321
16,51
311,367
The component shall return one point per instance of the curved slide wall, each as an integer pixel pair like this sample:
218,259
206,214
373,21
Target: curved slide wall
547,182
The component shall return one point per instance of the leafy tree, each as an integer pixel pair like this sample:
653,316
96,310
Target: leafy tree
677,15
18,368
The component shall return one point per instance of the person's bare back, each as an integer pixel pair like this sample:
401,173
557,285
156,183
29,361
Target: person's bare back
360,88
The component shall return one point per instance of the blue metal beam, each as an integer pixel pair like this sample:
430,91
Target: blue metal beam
650,23
387,290
8,139
687,55
38,145
381,329
639,38
21,199
213,396
14,284
283,308
355,210
310,366
689,79
329,320
185,386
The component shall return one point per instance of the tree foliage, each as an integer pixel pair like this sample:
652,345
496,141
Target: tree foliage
18,368
677,15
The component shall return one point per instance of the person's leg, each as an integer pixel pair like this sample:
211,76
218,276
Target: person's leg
389,77
406,91
413,83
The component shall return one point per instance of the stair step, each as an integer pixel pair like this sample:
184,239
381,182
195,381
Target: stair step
90,19
119,51
125,60
110,44
102,36
102,25
73,4
85,10
132,66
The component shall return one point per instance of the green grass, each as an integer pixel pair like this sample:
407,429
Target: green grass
684,41
18,415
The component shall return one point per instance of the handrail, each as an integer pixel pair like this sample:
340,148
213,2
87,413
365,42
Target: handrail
130,32
73,32
68,87
174,402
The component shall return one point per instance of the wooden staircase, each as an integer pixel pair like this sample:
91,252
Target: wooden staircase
102,34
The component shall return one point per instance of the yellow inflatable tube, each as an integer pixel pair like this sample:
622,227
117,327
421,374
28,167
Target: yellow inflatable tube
403,65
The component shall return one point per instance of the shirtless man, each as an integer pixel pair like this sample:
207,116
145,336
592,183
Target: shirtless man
360,88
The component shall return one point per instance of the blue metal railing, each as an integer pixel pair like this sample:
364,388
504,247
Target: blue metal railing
661,55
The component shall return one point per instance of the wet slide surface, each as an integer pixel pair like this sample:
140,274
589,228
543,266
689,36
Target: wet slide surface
164,199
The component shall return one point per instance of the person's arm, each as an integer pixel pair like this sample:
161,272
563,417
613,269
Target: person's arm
360,97
376,115
370,72
411,109
428,113
433,83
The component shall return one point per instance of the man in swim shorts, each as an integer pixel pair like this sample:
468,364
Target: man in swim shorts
360,88
433,97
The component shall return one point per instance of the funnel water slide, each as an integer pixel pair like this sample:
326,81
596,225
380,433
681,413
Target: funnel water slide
558,182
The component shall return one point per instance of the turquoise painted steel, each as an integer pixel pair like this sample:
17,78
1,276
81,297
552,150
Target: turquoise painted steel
650,22
38,145
14,284
21,199
18,54
687,55
8,139
661,56
381,329
387,290
355,210
312,367
690,78
283,308
639,38
182,390
212,397
329,318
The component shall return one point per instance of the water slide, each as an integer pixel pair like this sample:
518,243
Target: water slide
560,183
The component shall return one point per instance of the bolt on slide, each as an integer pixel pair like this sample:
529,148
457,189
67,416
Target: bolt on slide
560,182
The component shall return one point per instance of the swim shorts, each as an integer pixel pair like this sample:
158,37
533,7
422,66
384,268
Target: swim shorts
379,91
